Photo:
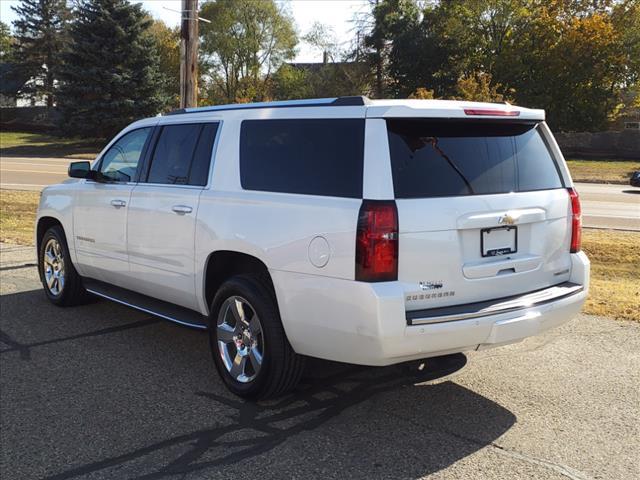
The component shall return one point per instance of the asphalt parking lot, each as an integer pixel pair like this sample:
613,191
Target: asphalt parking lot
101,391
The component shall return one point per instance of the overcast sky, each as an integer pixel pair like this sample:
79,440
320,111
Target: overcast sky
335,13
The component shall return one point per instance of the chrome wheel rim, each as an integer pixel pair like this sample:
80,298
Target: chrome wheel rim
53,267
240,339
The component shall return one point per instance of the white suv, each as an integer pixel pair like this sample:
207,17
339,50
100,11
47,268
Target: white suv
360,231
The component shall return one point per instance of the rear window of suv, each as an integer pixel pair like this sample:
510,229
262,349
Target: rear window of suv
435,158
304,156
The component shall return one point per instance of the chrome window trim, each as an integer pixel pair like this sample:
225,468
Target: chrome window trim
172,185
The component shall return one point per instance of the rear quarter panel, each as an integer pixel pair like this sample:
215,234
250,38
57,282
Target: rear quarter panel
276,228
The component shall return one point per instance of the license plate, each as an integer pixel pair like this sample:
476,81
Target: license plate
498,241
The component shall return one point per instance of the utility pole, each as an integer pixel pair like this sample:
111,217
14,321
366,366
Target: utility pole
189,54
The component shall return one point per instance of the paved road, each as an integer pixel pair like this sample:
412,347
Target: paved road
607,206
32,173
104,392
610,206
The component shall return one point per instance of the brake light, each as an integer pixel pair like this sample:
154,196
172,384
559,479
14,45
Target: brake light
377,241
491,111
576,221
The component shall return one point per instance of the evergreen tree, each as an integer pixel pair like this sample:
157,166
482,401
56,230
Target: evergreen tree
40,37
6,42
110,75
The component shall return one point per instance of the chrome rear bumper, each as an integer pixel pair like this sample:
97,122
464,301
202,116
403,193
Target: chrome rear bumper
493,307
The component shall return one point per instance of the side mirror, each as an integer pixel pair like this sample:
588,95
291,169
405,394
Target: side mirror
81,170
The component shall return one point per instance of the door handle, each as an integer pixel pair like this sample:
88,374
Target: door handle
182,209
118,203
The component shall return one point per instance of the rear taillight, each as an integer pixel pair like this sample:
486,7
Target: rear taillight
377,241
576,221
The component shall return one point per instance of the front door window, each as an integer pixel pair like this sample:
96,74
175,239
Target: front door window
120,162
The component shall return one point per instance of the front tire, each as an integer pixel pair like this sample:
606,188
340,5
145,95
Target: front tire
61,282
249,347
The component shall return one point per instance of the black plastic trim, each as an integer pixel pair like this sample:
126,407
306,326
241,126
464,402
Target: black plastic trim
153,306
355,101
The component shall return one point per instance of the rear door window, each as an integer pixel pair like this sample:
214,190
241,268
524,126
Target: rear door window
431,158
305,156
182,154
199,174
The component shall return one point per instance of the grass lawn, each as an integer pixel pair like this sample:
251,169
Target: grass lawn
614,255
602,171
17,215
615,273
22,144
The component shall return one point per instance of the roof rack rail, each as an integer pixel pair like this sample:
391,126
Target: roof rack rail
355,101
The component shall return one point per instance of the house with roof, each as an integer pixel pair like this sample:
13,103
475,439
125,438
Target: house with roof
13,82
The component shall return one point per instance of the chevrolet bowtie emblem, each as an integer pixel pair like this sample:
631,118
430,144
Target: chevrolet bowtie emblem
506,219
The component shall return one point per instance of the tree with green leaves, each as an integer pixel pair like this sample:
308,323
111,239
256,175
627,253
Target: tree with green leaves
625,17
244,45
576,59
339,74
389,45
290,83
167,46
480,88
568,58
40,32
323,39
6,42
110,75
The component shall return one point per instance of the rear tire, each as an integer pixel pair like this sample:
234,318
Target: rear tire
249,347
61,282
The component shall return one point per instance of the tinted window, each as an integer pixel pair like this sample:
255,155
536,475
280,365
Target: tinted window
182,154
120,162
448,158
315,157
173,154
199,174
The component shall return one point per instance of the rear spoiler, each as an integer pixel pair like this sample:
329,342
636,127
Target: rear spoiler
451,109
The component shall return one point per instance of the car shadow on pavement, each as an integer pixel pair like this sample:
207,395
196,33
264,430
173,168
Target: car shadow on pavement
343,421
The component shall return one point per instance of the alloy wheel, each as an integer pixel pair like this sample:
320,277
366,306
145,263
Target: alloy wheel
53,266
240,339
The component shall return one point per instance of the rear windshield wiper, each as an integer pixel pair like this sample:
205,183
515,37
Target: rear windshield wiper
433,141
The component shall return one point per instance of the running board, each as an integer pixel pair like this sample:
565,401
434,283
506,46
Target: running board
144,303
493,307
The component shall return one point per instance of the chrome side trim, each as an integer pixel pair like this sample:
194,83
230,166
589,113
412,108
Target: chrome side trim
493,307
146,310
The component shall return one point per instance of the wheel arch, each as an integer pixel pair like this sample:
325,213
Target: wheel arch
223,264
44,224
